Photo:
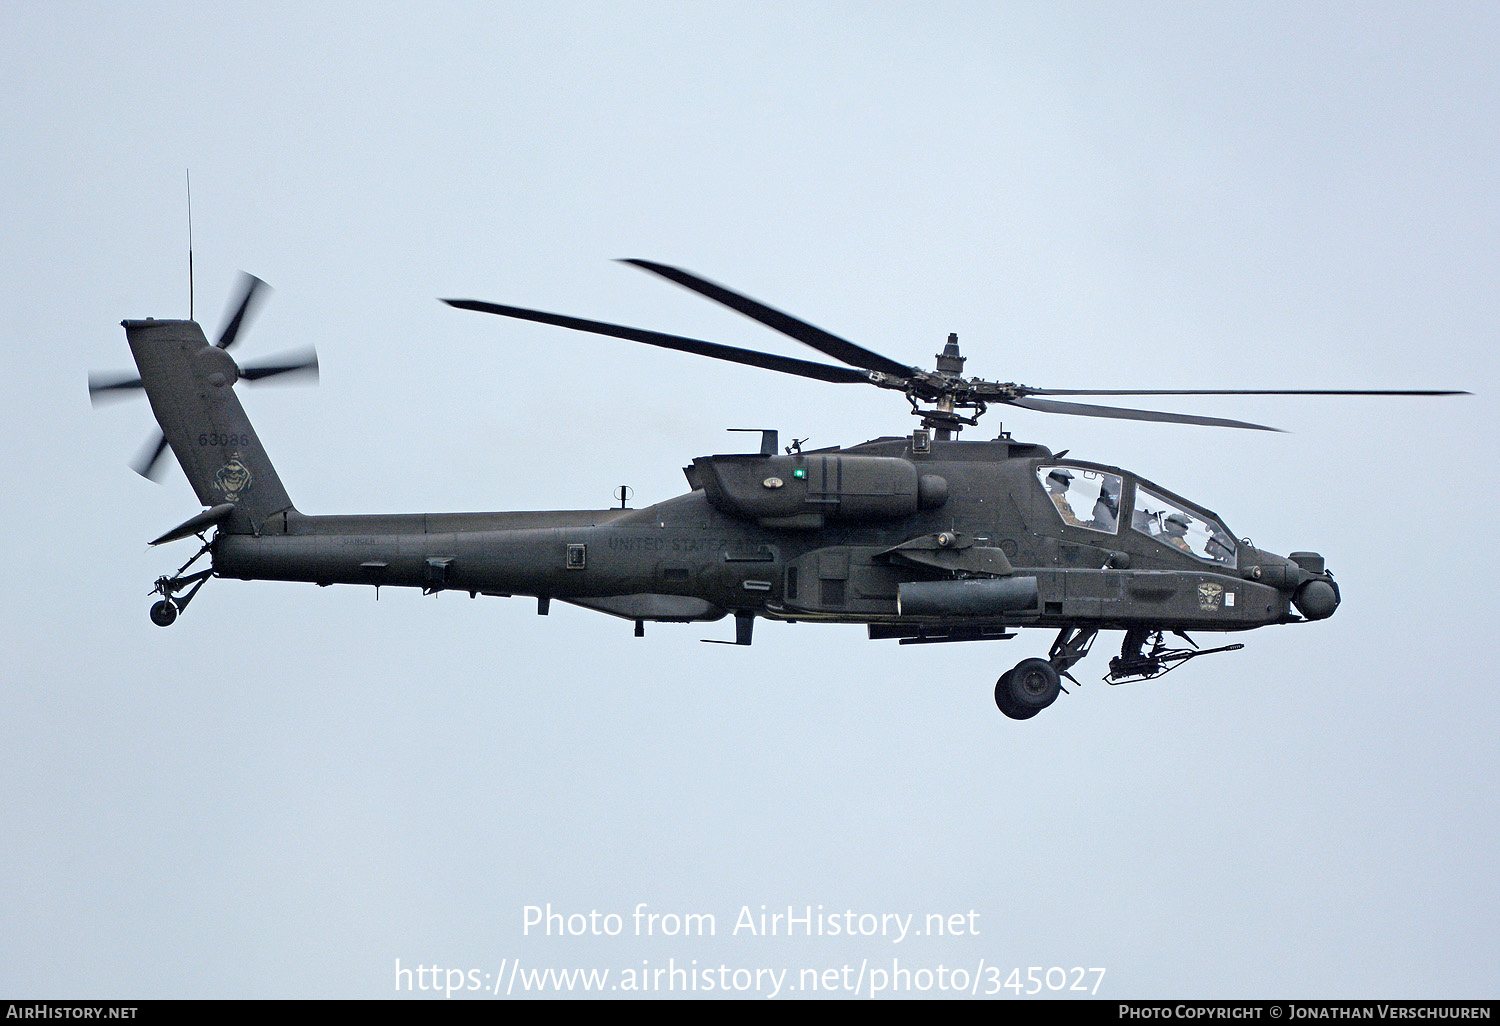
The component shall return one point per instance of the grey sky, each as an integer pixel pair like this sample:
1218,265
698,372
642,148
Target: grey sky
294,787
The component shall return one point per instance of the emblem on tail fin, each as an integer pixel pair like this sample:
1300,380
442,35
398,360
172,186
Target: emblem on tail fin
233,479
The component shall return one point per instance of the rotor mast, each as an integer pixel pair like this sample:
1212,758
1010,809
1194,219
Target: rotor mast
949,363
948,390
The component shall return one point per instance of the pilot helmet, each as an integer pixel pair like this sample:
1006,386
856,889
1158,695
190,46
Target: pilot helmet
1180,521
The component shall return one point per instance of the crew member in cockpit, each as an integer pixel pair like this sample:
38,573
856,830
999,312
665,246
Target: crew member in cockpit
1106,508
1057,491
1174,532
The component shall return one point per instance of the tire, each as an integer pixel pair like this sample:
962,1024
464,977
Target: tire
164,613
1002,695
1029,688
1006,703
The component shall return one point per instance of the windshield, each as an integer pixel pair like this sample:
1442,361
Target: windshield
1083,498
1180,528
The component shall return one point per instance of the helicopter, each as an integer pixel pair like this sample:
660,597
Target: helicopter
922,538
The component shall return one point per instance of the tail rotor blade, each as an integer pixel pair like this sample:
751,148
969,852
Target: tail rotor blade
303,362
148,462
103,387
251,290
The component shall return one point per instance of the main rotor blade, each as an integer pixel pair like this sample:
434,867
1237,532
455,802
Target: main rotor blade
147,460
250,288
111,386
749,357
1119,413
1233,391
302,361
828,344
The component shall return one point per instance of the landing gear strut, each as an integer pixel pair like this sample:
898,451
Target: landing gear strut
1035,684
164,611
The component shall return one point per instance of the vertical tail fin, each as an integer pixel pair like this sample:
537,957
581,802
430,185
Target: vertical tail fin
190,384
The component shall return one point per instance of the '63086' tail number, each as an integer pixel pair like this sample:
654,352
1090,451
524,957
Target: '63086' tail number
215,438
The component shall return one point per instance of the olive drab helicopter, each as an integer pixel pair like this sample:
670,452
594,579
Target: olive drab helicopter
921,537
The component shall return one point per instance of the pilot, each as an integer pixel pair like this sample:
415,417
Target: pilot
1106,508
1057,491
1174,532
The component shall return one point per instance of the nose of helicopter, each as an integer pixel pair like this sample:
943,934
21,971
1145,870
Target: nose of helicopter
1317,596
1317,599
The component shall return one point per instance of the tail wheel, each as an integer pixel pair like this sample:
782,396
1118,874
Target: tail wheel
164,613
1028,689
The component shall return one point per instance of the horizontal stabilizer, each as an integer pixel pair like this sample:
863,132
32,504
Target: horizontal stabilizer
202,522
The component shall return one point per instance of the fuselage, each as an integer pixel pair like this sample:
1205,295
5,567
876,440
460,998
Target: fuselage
832,535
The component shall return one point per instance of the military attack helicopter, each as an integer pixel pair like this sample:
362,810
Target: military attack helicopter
922,538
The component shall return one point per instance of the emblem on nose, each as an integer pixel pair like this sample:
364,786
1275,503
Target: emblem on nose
1210,596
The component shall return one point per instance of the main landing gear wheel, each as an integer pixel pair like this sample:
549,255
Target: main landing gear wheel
1023,692
1005,703
164,613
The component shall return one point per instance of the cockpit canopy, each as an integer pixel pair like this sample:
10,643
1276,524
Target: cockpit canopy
1175,525
1084,497
1093,499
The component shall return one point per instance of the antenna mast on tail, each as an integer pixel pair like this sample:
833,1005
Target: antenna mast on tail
190,242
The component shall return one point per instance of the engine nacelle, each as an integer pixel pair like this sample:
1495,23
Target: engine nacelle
802,491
